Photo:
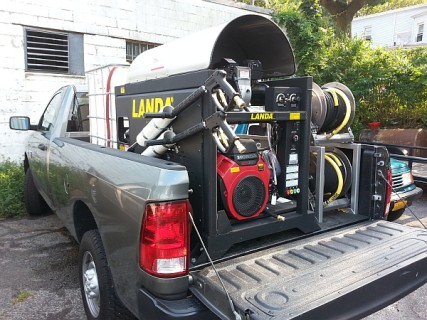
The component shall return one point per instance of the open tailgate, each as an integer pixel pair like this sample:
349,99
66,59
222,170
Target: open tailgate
342,274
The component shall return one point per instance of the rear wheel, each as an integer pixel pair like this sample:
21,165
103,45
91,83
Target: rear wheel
34,203
394,215
99,297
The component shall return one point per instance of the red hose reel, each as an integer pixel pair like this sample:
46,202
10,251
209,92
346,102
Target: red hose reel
243,185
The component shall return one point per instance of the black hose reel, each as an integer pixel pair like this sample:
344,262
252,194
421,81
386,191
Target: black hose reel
333,108
333,111
337,174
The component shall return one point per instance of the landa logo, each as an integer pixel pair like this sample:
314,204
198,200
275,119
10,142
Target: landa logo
262,116
149,105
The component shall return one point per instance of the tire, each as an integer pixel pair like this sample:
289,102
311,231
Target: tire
99,297
394,215
34,202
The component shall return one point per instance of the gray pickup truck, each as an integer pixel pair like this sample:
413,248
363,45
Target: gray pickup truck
207,223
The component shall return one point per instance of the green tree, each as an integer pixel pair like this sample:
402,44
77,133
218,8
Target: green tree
309,34
343,11
389,86
388,5
340,11
276,5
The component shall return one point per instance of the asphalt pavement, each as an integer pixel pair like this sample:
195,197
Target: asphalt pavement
39,272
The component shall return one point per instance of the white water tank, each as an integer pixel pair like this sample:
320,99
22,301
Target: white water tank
102,108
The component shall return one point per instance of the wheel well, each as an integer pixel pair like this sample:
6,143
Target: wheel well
26,164
83,220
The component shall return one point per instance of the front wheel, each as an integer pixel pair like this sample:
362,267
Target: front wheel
99,297
34,203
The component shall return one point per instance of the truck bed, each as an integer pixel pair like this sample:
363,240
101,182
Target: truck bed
339,274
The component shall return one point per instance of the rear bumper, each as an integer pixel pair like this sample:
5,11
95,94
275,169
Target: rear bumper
409,196
189,308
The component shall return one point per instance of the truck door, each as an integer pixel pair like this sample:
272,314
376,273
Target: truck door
39,144
60,170
55,120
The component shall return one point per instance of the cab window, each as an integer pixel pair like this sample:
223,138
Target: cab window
47,121
79,115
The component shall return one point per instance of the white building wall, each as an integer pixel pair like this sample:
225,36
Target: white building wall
106,25
390,28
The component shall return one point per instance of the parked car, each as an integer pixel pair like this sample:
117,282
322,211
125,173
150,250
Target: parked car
404,190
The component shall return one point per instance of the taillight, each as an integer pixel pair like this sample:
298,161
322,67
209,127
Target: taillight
164,243
388,193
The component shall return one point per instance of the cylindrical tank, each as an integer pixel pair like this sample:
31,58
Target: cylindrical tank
245,37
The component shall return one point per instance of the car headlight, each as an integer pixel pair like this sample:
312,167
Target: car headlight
407,179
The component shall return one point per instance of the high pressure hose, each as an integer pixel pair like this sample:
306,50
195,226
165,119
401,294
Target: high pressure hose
335,163
334,92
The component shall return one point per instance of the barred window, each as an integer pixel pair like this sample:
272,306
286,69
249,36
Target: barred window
50,51
134,48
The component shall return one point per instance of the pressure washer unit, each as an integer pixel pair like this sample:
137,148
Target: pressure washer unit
183,102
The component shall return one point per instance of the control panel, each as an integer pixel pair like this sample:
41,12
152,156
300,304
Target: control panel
282,98
292,186
288,99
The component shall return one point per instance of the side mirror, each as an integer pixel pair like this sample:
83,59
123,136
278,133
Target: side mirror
20,123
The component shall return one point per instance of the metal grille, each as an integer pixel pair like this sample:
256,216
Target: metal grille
47,51
134,48
397,181
248,196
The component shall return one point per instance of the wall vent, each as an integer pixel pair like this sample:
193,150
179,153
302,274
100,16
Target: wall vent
47,51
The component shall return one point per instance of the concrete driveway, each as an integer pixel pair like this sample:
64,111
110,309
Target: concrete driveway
39,273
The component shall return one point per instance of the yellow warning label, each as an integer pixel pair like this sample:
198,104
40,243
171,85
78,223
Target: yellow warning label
122,90
295,116
234,169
